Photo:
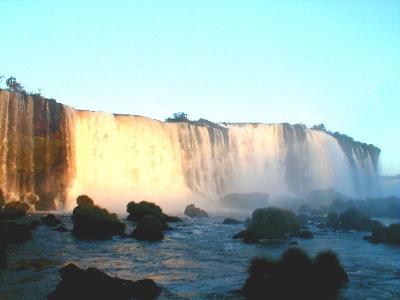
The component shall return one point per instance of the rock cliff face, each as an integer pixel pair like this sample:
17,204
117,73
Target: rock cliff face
35,149
57,153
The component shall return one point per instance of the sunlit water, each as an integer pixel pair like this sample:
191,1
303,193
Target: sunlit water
197,260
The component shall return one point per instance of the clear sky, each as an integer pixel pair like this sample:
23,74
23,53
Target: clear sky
332,62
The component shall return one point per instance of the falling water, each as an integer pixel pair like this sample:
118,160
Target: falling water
58,152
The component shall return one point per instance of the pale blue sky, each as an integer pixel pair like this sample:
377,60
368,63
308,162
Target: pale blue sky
336,62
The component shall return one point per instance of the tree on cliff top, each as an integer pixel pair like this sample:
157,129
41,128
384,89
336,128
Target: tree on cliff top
14,86
178,117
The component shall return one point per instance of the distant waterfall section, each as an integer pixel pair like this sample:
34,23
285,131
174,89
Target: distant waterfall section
57,153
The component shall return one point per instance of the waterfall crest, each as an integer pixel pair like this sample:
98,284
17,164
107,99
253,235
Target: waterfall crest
58,152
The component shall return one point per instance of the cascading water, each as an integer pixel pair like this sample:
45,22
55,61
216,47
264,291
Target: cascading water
53,150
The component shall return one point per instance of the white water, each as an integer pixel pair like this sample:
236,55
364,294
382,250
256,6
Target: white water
124,158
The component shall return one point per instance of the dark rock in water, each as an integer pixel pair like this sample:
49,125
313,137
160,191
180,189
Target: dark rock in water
149,228
34,224
12,232
50,220
294,243
231,221
332,220
3,259
246,236
61,229
138,210
386,235
295,276
91,283
354,219
93,222
273,223
15,209
194,212
306,234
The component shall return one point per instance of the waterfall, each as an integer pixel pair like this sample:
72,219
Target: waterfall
59,153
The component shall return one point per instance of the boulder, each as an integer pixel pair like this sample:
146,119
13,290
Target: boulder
61,229
50,220
93,222
386,235
295,276
231,221
354,219
92,283
246,236
15,209
273,223
13,233
194,212
149,228
305,234
138,210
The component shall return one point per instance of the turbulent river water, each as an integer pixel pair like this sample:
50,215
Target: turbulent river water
198,259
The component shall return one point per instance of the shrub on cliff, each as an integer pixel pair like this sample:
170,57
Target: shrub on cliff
295,276
178,117
93,222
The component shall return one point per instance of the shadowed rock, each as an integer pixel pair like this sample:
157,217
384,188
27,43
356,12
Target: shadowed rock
194,212
93,222
149,228
295,276
91,283
15,209
50,220
138,210
305,234
386,235
270,223
231,221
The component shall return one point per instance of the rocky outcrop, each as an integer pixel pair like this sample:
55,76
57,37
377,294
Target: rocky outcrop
231,221
93,222
272,223
149,228
50,220
386,235
15,209
92,283
194,212
138,210
295,276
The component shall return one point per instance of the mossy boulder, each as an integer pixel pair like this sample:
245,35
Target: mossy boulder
15,209
273,223
144,208
13,232
93,222
92,283
354,219
50,220
295,276
386,235
305,234
194,212
231,221
149,228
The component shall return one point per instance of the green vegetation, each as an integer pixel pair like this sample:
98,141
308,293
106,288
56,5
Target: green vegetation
178,117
